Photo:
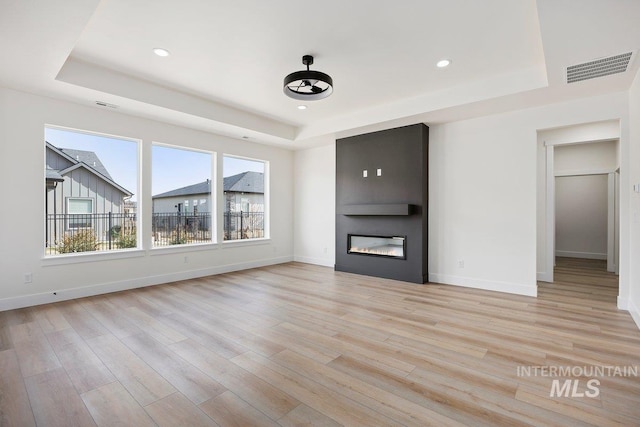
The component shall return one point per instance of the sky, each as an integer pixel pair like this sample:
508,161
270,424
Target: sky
171,167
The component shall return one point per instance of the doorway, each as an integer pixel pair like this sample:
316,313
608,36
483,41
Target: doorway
573,160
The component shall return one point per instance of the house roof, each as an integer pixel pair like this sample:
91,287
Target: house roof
245,182
189,190
89,158
77,158
53,175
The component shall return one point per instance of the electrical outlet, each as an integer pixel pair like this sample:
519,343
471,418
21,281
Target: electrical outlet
324,250
460,263
28,277
186,260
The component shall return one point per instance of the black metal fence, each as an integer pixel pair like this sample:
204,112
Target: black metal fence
243,225
180,228
66,233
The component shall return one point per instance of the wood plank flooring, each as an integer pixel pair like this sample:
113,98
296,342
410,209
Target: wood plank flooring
302,345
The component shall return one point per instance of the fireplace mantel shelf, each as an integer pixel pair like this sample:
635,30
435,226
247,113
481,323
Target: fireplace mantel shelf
394,209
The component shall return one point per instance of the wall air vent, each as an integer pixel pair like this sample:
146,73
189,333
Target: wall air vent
599,68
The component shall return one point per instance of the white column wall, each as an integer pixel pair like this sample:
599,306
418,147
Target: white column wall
633,233
315,205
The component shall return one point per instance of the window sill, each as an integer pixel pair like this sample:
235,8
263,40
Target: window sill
66,259
92,257
227,244
176,249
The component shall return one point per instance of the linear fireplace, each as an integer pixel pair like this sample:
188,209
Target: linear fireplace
383,246
382,203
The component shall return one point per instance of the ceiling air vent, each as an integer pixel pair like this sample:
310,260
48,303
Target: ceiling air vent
599,68
106,104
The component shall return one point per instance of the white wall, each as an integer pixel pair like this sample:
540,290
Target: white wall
315,205
484,198
22,120
633,302
586,158
482,203
582,197
581,216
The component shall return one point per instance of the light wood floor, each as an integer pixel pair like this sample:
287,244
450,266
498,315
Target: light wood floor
297,344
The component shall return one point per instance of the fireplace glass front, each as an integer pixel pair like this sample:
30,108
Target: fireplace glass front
384,246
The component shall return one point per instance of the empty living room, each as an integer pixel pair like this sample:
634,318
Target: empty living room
295,213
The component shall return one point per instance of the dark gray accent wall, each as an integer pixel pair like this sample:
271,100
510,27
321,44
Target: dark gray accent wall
402,155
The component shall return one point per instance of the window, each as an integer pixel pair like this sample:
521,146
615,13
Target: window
244,198
91,182
180,177
80,213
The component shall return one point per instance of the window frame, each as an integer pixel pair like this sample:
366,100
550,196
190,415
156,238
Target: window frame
266,233
186,202
53,257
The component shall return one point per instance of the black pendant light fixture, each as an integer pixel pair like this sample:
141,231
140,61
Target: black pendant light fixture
307,85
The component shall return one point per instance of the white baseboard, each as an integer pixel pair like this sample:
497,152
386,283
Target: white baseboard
633,311
586,255
103,288
511,288
543,276
316,261
622,304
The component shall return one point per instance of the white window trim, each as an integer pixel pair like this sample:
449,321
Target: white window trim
71,258
266,195
185,204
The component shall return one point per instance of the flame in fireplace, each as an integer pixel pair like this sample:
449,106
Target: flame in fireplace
379,250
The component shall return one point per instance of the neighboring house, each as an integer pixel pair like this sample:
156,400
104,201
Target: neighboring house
243,206
244,192
195,198
130,207
78,189
185,208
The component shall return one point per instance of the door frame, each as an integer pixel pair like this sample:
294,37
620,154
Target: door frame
550,214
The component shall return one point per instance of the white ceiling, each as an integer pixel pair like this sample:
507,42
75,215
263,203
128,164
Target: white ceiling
228,59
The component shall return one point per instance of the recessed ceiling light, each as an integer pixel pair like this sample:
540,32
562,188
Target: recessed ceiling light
160,51
302,107
443,63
